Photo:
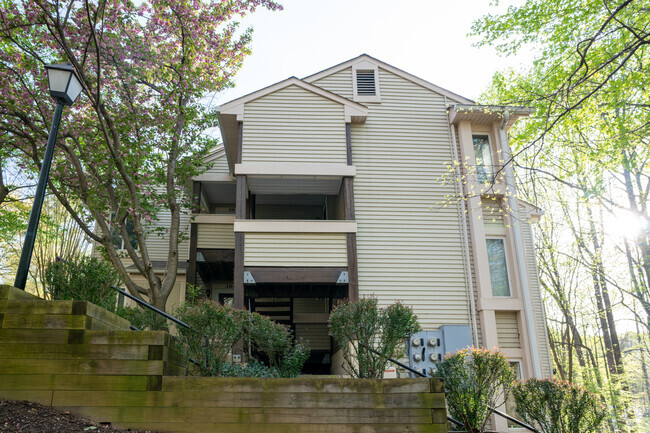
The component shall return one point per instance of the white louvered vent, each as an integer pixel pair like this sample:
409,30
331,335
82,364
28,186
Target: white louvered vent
366,83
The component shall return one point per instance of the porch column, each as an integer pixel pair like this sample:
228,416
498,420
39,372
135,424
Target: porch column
348,200
194,232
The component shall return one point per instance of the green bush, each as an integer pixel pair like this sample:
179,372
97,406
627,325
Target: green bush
86,279
254,368
558,407
284,354
217,328
359,326
143,319
475,381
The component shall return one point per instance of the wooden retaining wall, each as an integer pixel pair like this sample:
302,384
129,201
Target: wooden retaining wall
78,357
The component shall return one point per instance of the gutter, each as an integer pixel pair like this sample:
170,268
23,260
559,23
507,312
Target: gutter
465,229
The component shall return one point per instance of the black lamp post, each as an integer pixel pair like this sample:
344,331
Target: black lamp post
64,89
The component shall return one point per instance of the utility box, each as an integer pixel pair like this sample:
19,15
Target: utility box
426,348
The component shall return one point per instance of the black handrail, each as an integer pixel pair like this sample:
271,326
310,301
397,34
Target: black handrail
152,308
156,310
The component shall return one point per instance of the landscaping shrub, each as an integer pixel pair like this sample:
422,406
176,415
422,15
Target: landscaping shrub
143,319
217,328
86,279
475,380
358,326
284,354
558,407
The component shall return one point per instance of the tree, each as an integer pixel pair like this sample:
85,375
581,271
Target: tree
129,147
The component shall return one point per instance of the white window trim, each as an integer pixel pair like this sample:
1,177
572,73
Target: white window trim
505,253
365,66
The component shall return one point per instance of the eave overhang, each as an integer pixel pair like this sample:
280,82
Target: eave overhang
488,114
231,113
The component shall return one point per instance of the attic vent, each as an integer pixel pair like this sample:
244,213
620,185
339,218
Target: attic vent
366,83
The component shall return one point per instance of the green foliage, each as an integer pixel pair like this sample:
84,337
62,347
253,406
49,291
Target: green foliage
475,380
359,326
143,319
217,328
86,279
277,344
558,407
254,368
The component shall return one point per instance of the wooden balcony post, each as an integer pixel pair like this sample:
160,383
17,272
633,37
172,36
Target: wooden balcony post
194,234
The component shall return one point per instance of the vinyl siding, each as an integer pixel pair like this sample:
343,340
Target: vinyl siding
409,246
339,83
220,236
217,162
295,249
536,297
294,125
158,241
507,330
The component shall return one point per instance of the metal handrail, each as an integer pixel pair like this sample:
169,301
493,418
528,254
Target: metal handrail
156,310
152,308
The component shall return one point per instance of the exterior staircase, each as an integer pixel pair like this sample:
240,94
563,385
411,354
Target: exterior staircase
76,356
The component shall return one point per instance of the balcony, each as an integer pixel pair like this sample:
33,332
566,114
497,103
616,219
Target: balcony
295,243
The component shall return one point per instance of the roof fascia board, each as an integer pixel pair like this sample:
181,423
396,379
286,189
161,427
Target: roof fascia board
353,110
399,72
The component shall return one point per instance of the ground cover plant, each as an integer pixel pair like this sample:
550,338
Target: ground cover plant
358,327
476,382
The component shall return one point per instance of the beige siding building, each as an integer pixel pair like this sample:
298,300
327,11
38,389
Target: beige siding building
338,185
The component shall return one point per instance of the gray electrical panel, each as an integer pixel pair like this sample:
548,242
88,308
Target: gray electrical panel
425,348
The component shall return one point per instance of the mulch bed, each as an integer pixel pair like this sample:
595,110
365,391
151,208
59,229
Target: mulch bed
24,416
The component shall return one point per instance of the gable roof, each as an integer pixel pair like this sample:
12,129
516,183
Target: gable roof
354,111
390,68
232,112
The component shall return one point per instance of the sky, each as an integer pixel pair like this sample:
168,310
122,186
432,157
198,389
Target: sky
427,38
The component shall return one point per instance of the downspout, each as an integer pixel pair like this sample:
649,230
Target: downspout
464,227
519,247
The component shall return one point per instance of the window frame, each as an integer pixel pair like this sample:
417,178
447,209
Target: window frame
503,239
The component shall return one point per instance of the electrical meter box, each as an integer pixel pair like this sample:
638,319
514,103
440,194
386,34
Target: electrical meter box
425,348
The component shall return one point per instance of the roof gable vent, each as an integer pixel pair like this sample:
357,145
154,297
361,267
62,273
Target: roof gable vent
366,83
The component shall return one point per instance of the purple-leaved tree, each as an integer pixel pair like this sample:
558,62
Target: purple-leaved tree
128,148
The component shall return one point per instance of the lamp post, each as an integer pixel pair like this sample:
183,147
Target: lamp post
64,89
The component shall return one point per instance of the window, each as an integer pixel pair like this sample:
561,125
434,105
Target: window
483,155
117,239
498,267
511,407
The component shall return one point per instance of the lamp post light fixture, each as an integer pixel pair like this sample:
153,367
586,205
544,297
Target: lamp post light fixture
65,87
